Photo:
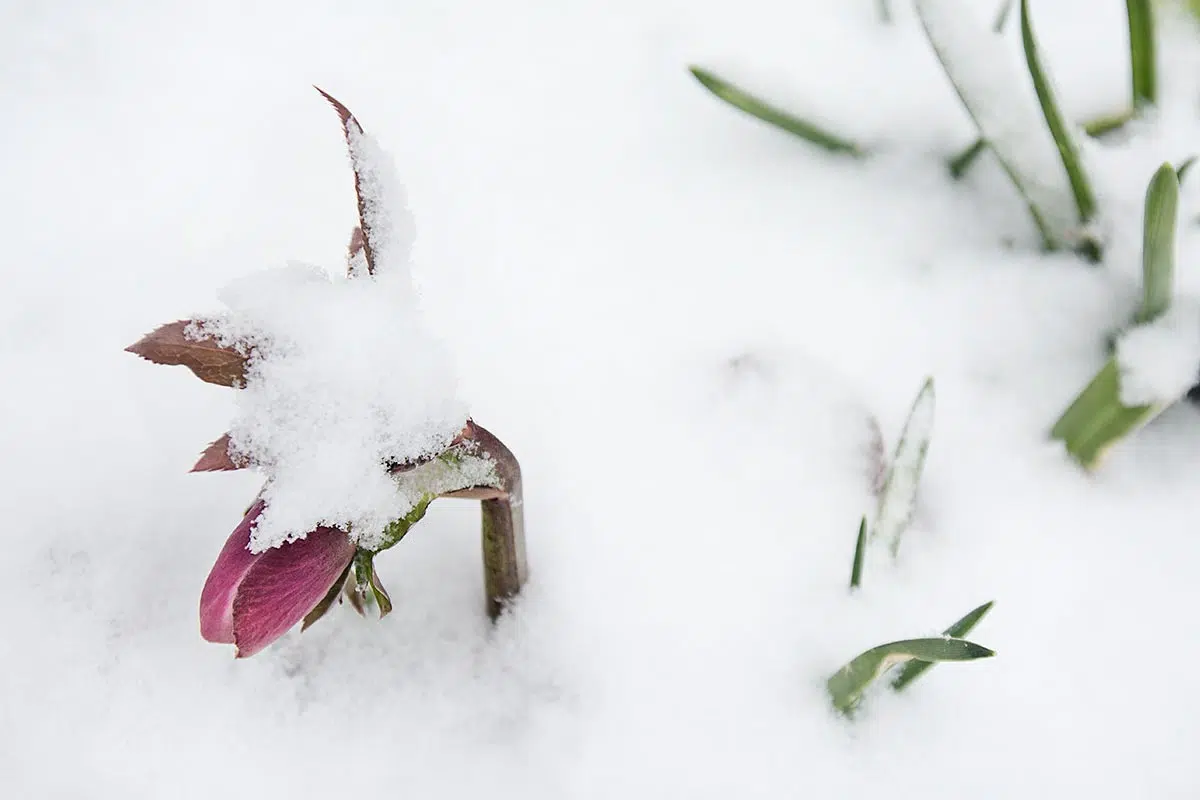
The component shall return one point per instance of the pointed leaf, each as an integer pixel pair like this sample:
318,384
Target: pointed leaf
351,127
899,496
963,161
859,547
756,107
1143,68
916,668
1085,200
977,65
1002,17
210,361
382,598
1184,168
847,685
1158,244
216,458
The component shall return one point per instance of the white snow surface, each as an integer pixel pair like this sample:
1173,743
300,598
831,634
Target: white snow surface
1160,361
677,318
344,379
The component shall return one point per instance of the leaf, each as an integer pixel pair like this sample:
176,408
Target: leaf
756,107
899,495
363,240
1158,244
1184,168
963,161
976,65
847,685
859,547
1105,125
382,598
327,602
1085,200
916,668
1097,420
367,580
210,361
1002,17
397,530
216,458
1143,70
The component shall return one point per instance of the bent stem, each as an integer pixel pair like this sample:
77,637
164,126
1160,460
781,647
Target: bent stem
505,568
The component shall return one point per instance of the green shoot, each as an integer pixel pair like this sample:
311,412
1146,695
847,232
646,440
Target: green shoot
1142,62
916,668
1158,244
1097,419
756,107
963,161
847,685
1085,200
859,547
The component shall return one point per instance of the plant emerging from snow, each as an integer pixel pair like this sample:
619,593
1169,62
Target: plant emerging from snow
346,403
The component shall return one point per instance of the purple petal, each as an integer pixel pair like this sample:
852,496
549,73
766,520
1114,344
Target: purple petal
216,600
284,584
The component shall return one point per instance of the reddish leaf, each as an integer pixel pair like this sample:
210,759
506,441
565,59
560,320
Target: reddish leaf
209,360
216,458
350,124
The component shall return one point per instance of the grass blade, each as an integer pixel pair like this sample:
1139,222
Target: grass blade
1002,17
1085,200
846,686
1097,419
963,161
899,495
1158,244
916,668
1143,68
859,547
756,107
977,64
1184,168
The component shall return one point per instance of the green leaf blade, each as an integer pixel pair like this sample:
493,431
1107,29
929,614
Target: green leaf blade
1158,244
847,685
756,107
859,548
916,668
1068,149
1143,67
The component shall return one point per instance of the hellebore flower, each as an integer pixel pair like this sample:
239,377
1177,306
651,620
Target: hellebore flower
251,599
393,443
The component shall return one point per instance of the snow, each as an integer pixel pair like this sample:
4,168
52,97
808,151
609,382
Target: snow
344,379
601,241
1160,360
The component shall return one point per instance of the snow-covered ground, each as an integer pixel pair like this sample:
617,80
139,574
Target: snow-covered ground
680,320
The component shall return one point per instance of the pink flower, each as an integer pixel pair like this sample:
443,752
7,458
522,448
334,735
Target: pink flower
251,599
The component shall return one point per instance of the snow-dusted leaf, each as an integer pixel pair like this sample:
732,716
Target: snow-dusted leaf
916,668
899,495
1097,419
385,224
847,685
756,107
1007,117
216,458
211,361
